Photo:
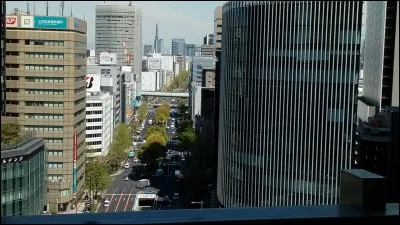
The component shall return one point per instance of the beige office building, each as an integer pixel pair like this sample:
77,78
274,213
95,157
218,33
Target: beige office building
217,28
46,93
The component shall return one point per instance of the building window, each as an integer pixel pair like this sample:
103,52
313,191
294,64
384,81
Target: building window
43,67
79,90
12,53
93,143
13,41
96,112
80,78
10,65
44,55
45,79
44,91
79,101
42,42
64,192
44,104
53,140
44,128
93,135
54,164
55,152
93,104
43,116
93,128
93,120
56,177
79,112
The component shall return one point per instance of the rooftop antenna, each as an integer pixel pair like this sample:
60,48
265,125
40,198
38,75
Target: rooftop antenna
71,10
84,16
47,8
27,8
34,8
62,8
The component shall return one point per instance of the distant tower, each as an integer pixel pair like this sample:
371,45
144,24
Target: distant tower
47,8
156,43
62,8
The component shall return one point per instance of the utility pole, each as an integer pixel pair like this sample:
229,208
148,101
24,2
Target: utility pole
34,8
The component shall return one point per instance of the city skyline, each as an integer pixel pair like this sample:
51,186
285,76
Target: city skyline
175,19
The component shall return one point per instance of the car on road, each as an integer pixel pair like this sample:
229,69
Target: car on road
159,172
136,160
126,178
106,203
143,183
127,165
183,159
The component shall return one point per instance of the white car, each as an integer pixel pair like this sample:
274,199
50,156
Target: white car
136,160
106,203
127,165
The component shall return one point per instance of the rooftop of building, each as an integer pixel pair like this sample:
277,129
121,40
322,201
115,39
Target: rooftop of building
23,146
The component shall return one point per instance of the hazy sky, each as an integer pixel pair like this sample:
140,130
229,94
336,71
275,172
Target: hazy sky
180,19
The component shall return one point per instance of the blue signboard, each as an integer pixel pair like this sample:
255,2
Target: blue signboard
50,22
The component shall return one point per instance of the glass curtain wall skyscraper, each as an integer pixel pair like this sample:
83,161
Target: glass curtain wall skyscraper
289,73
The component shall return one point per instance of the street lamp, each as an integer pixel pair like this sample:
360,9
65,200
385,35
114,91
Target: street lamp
201,203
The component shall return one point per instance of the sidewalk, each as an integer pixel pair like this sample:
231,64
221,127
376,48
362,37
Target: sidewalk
81,207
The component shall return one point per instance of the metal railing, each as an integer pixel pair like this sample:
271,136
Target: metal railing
271,215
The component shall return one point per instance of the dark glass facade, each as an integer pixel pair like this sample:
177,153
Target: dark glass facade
23,179
288,95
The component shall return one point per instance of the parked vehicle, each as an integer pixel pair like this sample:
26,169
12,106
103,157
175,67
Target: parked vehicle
143,183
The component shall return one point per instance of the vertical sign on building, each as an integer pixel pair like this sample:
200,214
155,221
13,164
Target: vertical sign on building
74,154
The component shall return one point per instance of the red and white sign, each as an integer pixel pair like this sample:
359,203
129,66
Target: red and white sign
93,82
75,150
12,21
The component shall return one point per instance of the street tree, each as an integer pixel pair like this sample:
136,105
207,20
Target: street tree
157,129
150,152
142,111
9,132
181,108
180,82
97,178
156,137
187,139
185,125
162,113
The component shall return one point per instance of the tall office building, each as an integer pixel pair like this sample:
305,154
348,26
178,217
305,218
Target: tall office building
208,39
147,49
3,57
289,73
189,50
217,28
119,29
178,46
45,67
378,106
381,69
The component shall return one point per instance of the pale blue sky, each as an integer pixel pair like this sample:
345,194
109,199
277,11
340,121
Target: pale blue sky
190,20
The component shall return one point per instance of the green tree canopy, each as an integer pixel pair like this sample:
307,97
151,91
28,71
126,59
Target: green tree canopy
97,178
180,82
9,132
157,129
122,140
150,152
185,125
181,108
187,139
142,111
162,113
156,137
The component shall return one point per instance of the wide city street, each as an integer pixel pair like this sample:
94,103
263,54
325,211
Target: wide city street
122,192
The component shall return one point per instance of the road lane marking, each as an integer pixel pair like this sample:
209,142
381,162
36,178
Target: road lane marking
111,200
116,208
127,201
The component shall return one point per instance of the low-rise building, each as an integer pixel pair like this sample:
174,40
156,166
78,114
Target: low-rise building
99,123
24,178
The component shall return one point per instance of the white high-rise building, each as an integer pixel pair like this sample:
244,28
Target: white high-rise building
99,123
